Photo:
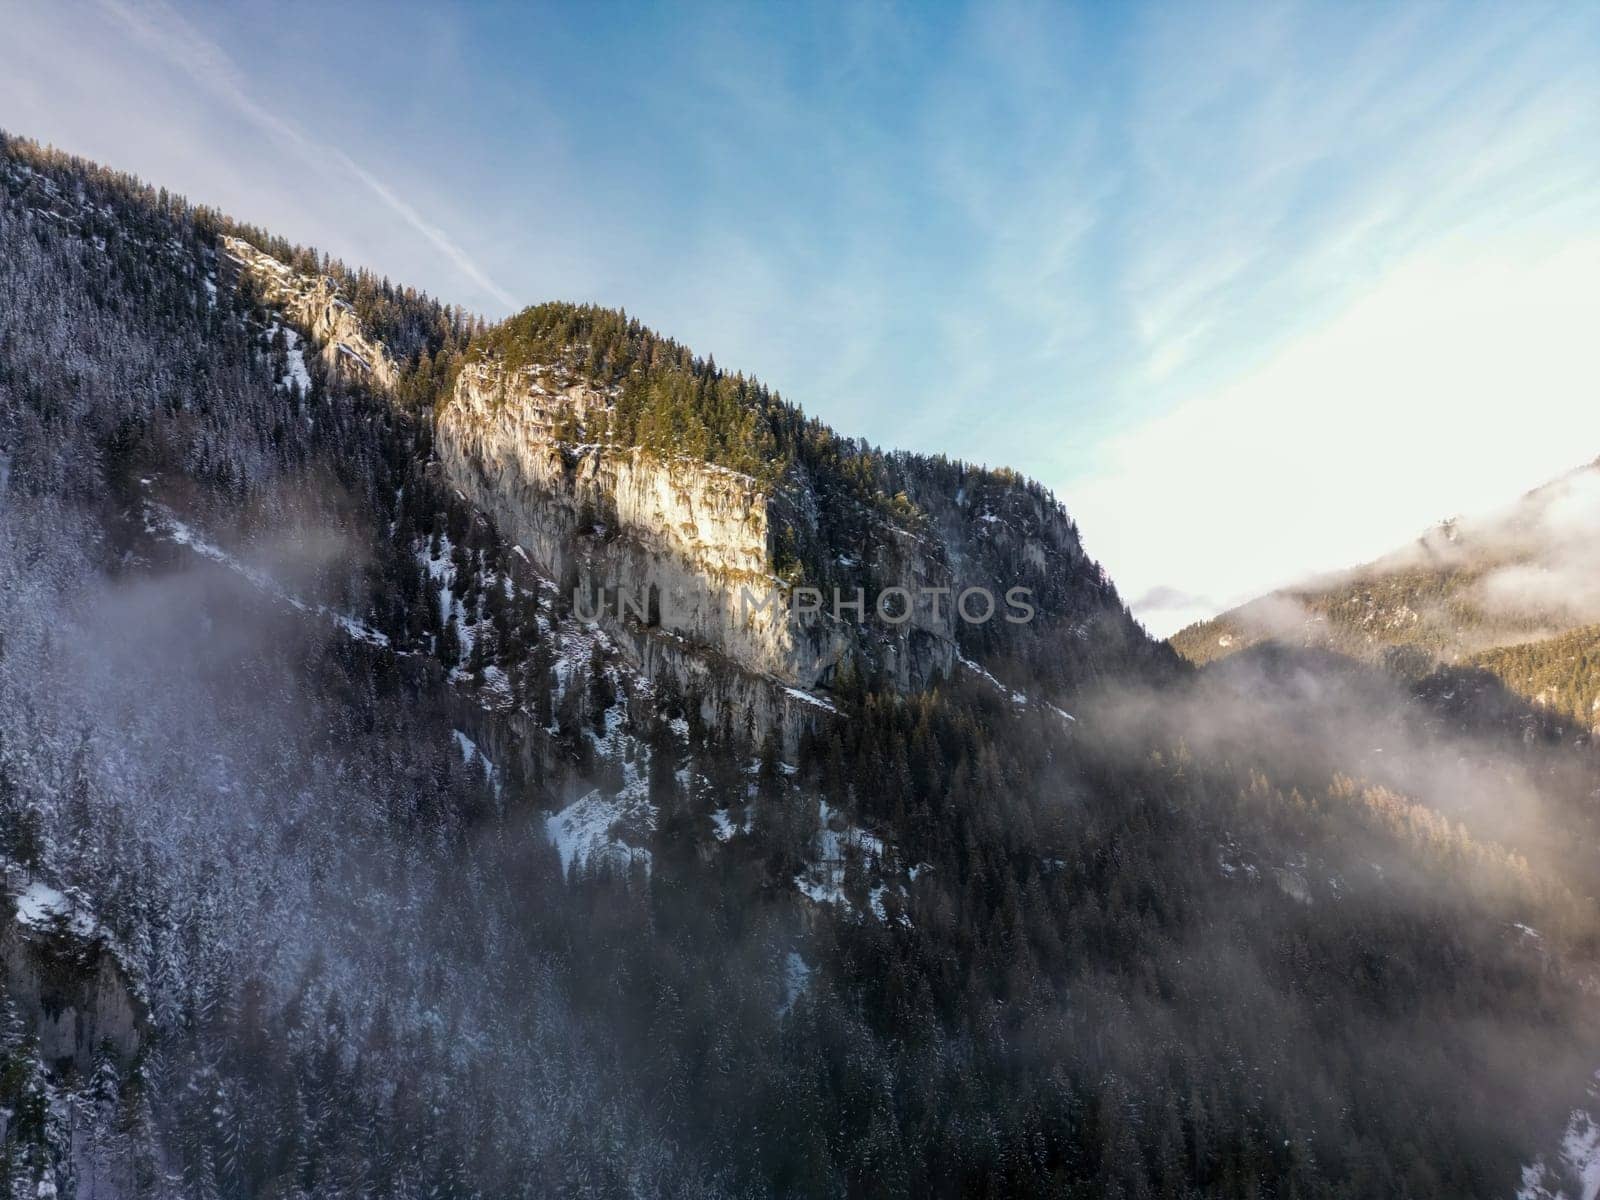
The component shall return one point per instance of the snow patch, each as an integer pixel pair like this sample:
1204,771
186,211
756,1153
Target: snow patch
822,881
582,832
820,891
722,825
1578,1161
796,979
296,358
811,699
1015,697
881,911
470,754
41,906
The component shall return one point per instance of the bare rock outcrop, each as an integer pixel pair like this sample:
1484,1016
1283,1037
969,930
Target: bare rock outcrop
686,543
314,302
63,976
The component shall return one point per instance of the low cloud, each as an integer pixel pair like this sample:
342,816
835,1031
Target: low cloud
1560,579
1278,616
1163,598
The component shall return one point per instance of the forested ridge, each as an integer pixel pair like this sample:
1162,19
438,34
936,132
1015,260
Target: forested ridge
1559,674
836,501
310,740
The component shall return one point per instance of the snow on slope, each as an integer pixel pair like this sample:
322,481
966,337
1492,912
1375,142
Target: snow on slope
589,831
796,979
837,843
1575,1175
41,906
160,522
470,754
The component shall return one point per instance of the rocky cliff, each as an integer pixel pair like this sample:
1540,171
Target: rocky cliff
694,566
664,545
314,303
65,979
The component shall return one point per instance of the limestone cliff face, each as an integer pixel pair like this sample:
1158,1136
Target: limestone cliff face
676,557
694,545
314,302
686,542
68,985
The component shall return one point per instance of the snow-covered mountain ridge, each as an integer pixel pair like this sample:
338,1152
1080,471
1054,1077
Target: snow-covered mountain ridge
697,546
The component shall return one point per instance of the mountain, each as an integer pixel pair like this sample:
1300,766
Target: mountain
621,463
1514,592
399,798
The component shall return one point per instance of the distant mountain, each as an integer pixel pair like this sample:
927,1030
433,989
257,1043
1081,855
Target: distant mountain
1516,592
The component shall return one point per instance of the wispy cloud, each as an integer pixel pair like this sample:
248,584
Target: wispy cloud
435,236
1465,376
168,33
1355,247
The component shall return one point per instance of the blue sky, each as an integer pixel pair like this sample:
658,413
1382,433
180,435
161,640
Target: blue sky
1257,289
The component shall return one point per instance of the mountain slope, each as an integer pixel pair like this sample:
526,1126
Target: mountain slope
430,884
689,506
